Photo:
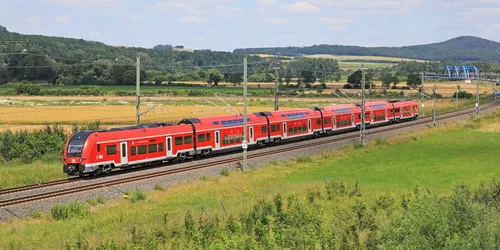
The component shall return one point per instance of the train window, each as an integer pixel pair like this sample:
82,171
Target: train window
207,136
290,130
152,148
141,150
178,141
111,150
238,138
201,137
326,121
318,122
133,151
160,147
124,150
225,139
263,129
295,130
188,139
284,127
273,128
98,148
304,128
168,144
231,140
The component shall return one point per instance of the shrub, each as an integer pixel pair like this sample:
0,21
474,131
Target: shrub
137,195
27,89
100,200
203,178
224,172
34,213
69,210
440,223
159,187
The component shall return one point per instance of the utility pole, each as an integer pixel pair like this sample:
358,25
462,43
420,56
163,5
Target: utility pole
363,112
138,91
276,90
434,106
477,99
370,92
245,143
422,93
457,96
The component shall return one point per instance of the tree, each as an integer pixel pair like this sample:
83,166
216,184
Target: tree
355,79
235,78
307,76
4,77
129,77
288,75
386,79
414,80
214,76
338,77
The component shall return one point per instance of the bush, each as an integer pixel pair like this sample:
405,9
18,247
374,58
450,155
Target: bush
27,89
463,95
224,172
440,223
159,187
69,210
137,195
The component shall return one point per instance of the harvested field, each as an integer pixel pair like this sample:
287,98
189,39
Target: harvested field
107,114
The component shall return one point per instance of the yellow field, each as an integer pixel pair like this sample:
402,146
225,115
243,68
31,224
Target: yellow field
107,114
368,58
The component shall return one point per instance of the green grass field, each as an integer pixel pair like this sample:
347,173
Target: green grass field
368,64
436,159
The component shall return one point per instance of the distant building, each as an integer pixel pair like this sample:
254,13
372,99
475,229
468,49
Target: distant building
461,72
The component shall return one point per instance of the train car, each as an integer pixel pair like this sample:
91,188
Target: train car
95,152
227,132
343,116
404,110
288,124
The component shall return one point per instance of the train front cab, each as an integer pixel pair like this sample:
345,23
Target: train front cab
76,154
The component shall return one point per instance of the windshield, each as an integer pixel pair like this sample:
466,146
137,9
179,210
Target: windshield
75,150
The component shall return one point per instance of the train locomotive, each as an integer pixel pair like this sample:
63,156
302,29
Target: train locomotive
95,152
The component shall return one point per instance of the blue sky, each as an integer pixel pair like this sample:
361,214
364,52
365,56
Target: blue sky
229,24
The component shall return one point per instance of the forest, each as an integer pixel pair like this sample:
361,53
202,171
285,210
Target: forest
463,48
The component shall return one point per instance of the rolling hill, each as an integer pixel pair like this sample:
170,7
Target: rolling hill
463,48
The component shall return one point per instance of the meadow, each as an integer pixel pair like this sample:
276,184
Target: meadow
365,193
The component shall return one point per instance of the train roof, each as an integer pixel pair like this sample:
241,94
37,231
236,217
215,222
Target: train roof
118,134
339,109
292,114
224,121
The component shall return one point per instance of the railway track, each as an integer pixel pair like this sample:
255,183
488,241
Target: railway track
235,159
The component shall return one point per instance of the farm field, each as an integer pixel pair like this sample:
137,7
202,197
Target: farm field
367,58
442,159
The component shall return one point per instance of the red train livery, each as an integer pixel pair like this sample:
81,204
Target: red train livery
95,152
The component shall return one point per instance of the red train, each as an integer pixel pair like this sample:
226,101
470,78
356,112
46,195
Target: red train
95,152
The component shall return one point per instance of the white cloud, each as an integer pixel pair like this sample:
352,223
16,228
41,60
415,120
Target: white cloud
266,2
62,19
136,18
193,19
224,8
94,4
277,20
300,7
338,27
173,5
335,20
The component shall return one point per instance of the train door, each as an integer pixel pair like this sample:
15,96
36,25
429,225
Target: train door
251,134
309,127
217,139
169,146
284,129
334,122
386,117
352,120
124,156
371,116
